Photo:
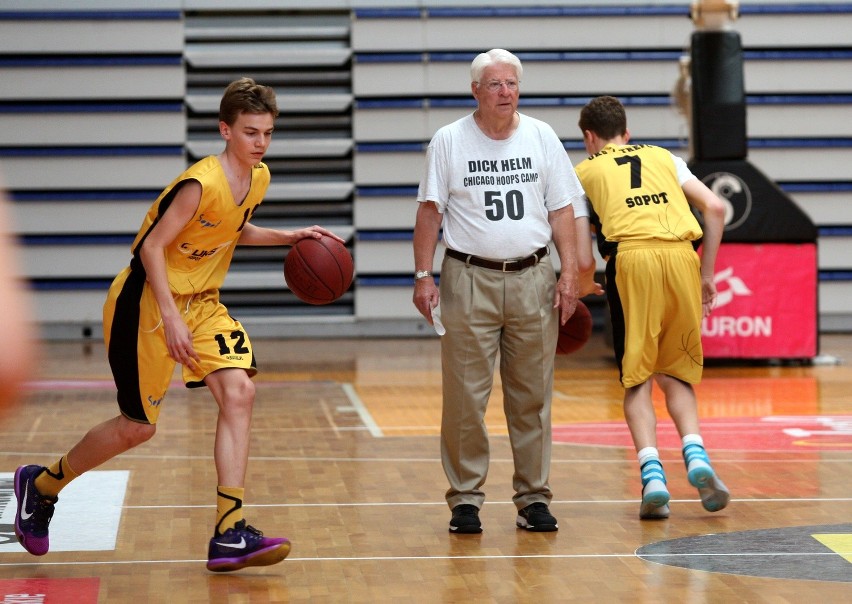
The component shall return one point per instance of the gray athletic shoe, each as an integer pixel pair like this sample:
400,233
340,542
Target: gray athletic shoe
655,499
715,495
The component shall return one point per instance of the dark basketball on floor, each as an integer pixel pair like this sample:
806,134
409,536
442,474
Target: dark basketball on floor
576,331
318,271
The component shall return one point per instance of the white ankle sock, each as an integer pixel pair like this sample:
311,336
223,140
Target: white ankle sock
647,453
692,439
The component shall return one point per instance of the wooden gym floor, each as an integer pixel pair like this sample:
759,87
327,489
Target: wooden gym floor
345,463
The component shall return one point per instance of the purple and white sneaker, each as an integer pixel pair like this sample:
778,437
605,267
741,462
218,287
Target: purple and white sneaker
243,546
34,511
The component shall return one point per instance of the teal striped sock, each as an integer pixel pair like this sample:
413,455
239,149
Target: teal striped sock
692,452
652,469
698,469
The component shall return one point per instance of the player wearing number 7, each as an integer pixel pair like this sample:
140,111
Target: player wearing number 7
657,287
164,309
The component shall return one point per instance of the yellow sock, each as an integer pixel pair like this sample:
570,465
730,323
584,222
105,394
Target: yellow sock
55,478
229,507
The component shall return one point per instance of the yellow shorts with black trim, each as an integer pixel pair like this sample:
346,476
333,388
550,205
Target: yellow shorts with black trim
137,351
656,311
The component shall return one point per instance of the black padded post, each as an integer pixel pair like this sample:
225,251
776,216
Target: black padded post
718,96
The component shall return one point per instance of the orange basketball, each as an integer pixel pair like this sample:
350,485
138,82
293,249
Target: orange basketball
318,271
576,331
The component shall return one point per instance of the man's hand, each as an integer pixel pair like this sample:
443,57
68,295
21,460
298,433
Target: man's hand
567,295
426,296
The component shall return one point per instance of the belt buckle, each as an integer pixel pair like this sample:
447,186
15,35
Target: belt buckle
505,262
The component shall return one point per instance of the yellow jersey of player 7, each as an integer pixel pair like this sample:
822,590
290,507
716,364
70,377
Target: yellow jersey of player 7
635,192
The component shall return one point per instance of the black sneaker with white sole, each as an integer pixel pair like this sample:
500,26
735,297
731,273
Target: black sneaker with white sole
465,519
537,517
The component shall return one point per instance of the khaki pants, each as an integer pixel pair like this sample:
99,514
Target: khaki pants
486,312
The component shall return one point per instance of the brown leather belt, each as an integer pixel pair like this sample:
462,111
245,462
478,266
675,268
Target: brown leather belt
506,266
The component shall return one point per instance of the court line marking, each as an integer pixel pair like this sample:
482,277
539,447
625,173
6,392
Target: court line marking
366,504
361,409
759,424
716,458
635,556
329,417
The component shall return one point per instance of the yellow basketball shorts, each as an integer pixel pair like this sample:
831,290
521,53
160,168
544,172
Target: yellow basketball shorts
136,343
654,295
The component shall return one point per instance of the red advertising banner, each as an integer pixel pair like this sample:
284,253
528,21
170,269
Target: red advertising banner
767,302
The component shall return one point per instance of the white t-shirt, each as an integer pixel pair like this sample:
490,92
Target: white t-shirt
495,194
683,171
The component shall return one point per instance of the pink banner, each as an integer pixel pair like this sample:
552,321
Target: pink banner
767,302
50,591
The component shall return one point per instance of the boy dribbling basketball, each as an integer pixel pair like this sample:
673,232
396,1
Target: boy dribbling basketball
164,309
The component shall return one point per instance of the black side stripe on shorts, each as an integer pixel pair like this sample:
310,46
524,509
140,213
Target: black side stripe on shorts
124,334
616,312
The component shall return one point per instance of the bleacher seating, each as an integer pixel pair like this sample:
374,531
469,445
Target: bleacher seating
102,103
414,79
91,109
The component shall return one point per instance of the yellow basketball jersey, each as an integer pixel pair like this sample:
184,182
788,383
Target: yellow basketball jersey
199,257
635,191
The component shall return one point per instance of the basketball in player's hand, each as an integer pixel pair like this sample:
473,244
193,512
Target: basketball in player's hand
576,331
318,271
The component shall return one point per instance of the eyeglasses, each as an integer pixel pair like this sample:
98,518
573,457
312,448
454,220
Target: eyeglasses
497,85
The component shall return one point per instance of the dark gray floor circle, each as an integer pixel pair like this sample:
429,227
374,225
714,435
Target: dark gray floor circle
818,553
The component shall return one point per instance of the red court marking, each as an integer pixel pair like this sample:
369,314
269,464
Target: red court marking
775,433
50,591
